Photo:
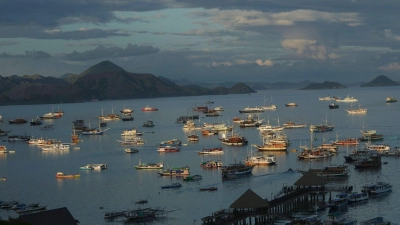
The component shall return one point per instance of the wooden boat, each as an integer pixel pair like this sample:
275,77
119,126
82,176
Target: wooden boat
149,166
129,132
211,164
127,118
193,137
126,111
74,138
183,171
272,146
17,121
211,151
332,171
208,189
109,117
209,132
234,139
173,185
193,178
372,161
131,150
291,124
168,149
95,131
62,175
237,169
132,141
348,141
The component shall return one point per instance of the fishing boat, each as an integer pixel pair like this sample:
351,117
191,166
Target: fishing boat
173,185
236,169
149,166
149,109
211,164
148,123
391,99
193,178
131,150
62,175
182,171
333,106
260,160
357,197
208,189
212,151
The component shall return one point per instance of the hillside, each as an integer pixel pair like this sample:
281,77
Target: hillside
103,81
381,81
324,85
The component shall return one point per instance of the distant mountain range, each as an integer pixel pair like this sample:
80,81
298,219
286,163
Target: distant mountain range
103,81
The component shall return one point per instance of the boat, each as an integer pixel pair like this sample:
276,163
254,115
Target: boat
29,209
333,106
36,122
149,166
23,205
62,175
211,151
131,150
132,132
380,187
193,178
233,139
339,202
347,99
209,132
74,138
371,161
290,124
251,121
127,118
99,166
321,127
47,127
380,148
193,137
209,102
347,141
8,204
168,149
3,149
149,109
291,104
357,111
173,142
376,221
339,218
132,141
391,100
211,164
140,214
252,110
13,138
173,185
55,147
236,169
219,108
17,121
208,189
182,171
355,197
114,214
126,111
260,160
49,115
148,123
332,171
272,145
94,131
4,132
327,98
86,167
109,117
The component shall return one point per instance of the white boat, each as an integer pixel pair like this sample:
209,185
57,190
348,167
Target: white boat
211,151
291,124
357,111
101,166
126,111
291,104
391,99
380,187
132,141
381,148
357,197
219,108
256,109
347,99
131,150
327,98
55,147
129,132
260,160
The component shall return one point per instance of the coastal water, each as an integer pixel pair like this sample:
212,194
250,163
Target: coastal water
31,172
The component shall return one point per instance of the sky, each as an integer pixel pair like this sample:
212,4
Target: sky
204,40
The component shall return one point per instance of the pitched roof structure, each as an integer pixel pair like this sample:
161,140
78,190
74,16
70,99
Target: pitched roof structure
60,216
310,179
249,199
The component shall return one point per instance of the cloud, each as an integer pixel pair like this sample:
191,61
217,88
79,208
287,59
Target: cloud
309,48
28,55
390,35
265,63
110,52
391,67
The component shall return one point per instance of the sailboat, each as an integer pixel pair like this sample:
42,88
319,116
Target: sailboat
94,131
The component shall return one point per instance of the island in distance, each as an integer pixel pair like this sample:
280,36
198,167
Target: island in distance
379,81
103,81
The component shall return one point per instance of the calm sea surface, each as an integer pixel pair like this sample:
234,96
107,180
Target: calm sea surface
31,172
